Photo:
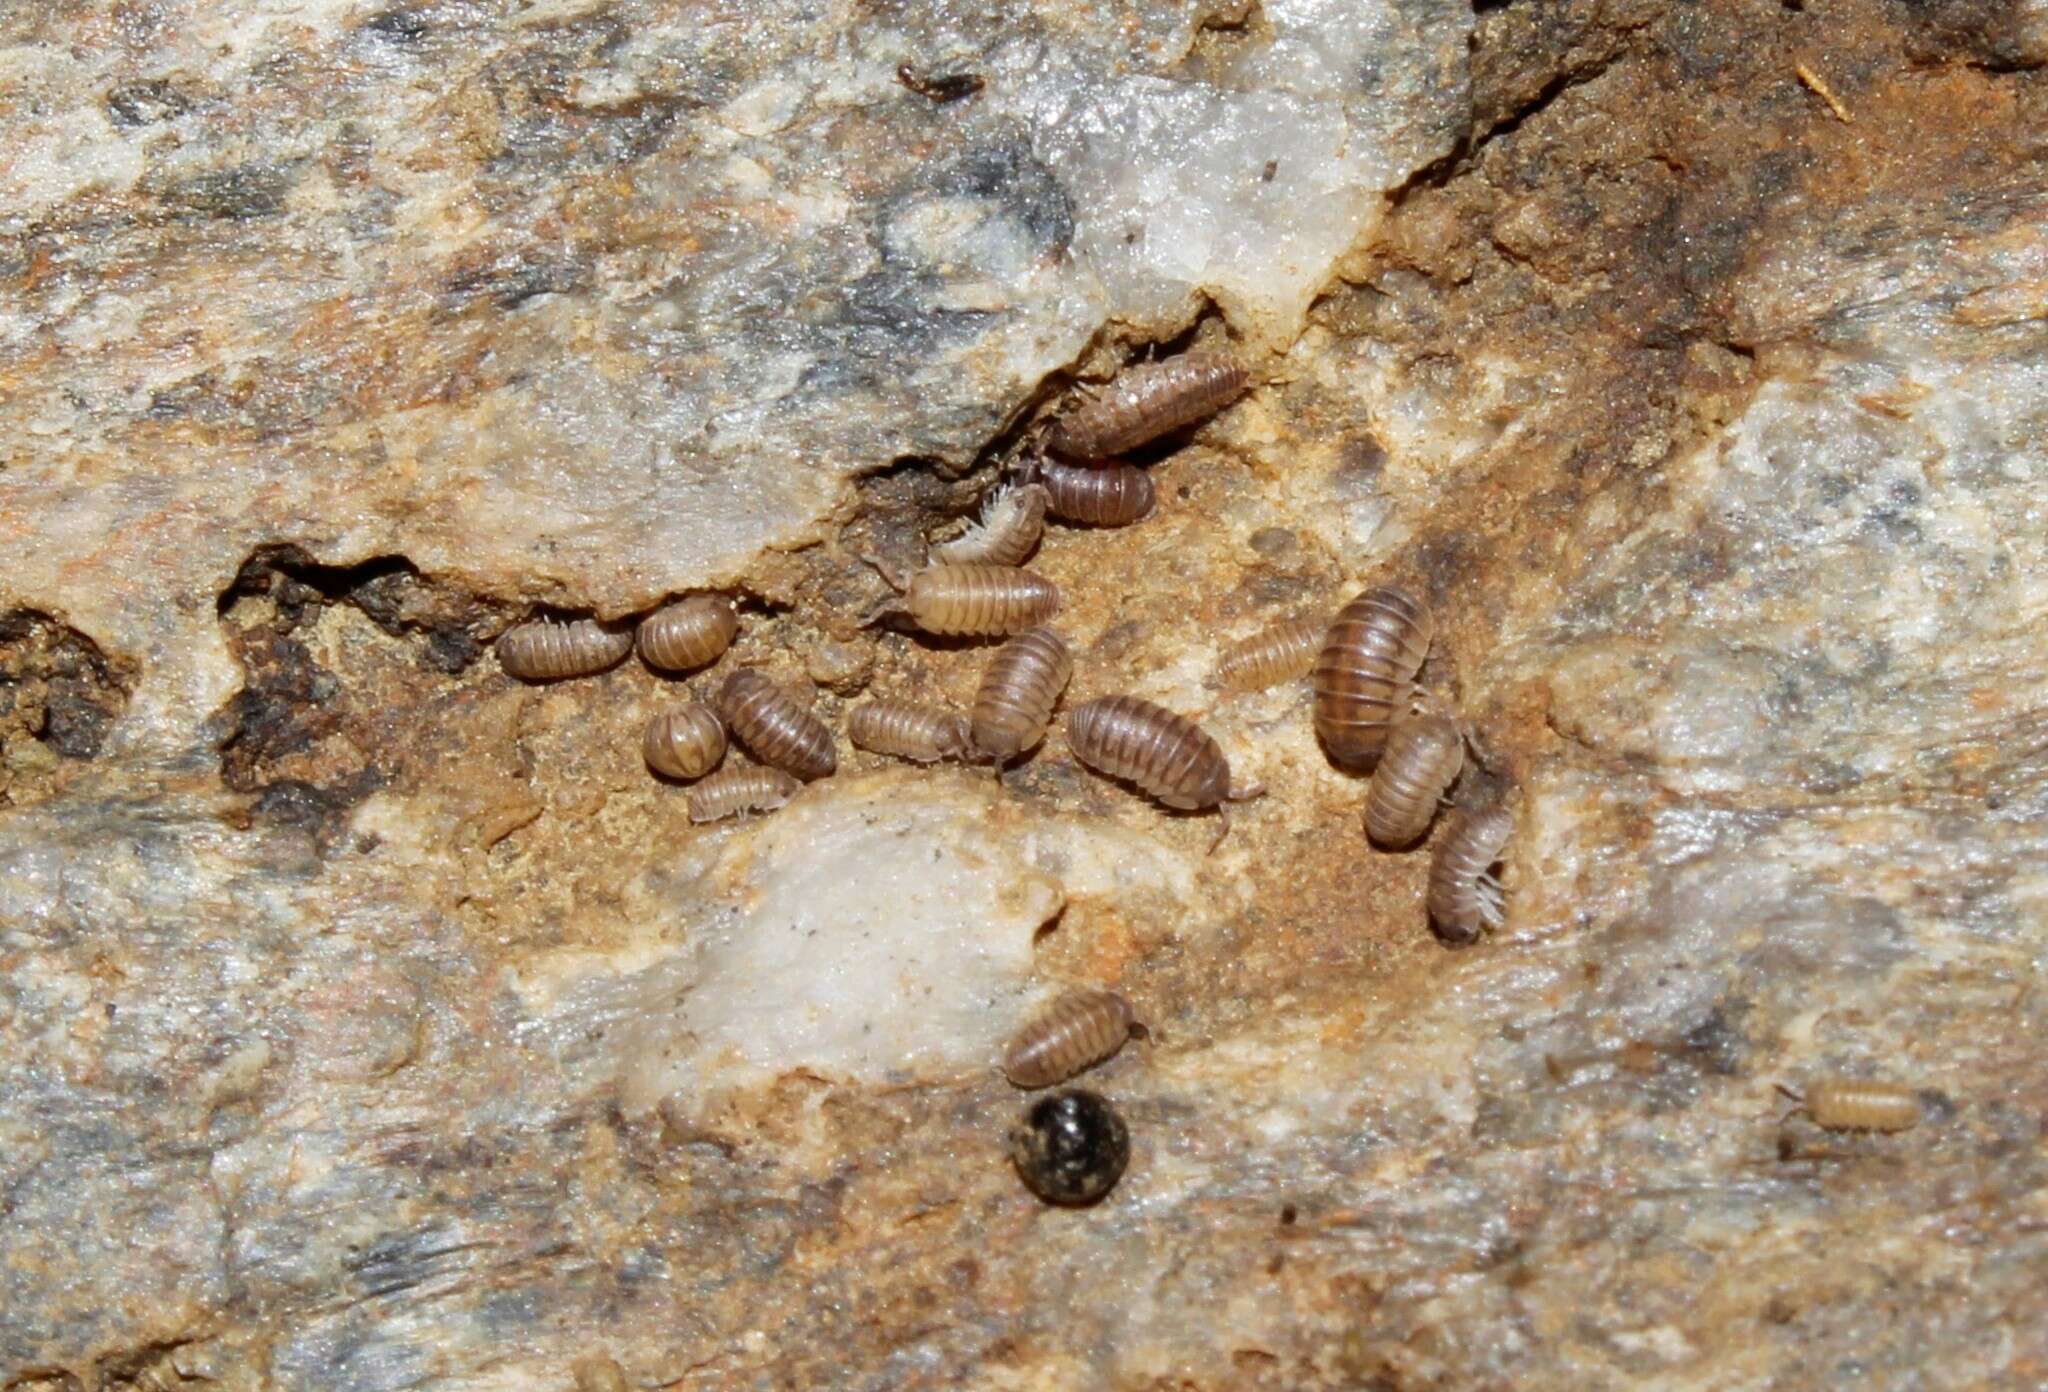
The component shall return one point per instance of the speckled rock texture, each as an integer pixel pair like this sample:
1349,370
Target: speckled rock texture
372,1021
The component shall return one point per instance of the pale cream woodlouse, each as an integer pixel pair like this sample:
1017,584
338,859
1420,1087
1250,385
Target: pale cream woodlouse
1278,654
1114,495
1167,756
982,600
1011,522
686,742
1071,1036
1852,1104
1423,756
692,632
599,1374
775,727
1147,401
907,730
542,650
1464,897
732,791
1018,692
1365,673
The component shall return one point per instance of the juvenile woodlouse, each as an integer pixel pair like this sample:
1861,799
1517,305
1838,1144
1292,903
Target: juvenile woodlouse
1011,522
1072,1035
948,88
1167,755
686,742
1114,495
1071,1147
1464,897
907,730
1279,654
545,651
775,726
984,600
1422,757
692,632
732,791
1015,701
1148,401
1851,1104
1365,670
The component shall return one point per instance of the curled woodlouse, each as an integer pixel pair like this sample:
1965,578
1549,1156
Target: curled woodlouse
1464,897
686,742
732,791
1365,671
1023,683
546,651
1852,1104
983,600
692,632
775,726
1011,522
1167,755
907,730
599,1374
1422,757
1072,1035
1147,401
1114,495
1071,1147
1280,653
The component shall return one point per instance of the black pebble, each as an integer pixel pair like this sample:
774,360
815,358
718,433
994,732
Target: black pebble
1071,1147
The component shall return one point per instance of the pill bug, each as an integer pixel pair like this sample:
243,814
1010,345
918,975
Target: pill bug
1464,897
732,791
984,600
599,1374
1365,670
907,730
1070,1148
686,742
1166,755
1148,401
1011,522
1114,495
1015,701
691,632
775,727
543,650
1422,757
1851,1104
1278,654
1072,1035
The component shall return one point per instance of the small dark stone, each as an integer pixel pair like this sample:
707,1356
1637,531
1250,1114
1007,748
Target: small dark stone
1071,1147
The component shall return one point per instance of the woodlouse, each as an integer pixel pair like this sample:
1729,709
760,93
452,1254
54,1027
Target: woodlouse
1422,757
777,728
1147,401
950,87
907,730
546,651
1011,522
1114,495
1071,1147
984,600
1279,654
1072,1035
1464,897
692,632
1015,701
1167,755
732,791
599,1374
1365,672
1852,1104
686,742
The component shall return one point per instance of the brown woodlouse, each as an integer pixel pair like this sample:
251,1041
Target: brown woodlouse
1423,755
1365,671
1279,654
1015,701
1167,755
1148,401
775,726
1464,897
1851,1104
983,600
907,730
686,742
1011,522
546,651
1114,495
732,791
1072,1035
692,632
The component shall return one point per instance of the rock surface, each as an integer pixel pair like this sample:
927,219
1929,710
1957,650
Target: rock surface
373,1021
